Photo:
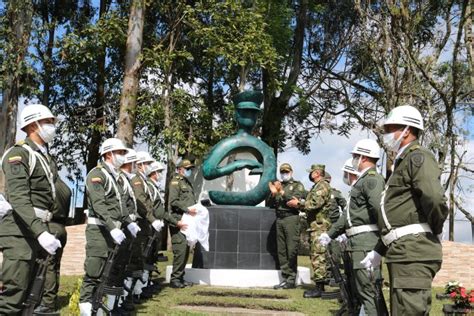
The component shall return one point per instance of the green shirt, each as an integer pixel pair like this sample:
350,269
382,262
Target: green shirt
337,204
291,188
25,191
104,199
143,194
129,201
158,206
181,196
414,195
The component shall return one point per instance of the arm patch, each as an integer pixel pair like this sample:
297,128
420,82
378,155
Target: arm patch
14,159
371,184
417,159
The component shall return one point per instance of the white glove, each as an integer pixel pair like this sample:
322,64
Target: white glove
5,207
302,215
371,260
158,225
117,235
324,239
49,242
133,228
342,238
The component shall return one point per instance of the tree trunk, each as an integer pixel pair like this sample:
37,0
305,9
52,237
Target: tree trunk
128,100
275,108
19,17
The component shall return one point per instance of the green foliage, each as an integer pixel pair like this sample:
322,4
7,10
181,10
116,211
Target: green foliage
74,299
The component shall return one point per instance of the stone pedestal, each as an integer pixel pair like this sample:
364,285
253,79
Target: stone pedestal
240,237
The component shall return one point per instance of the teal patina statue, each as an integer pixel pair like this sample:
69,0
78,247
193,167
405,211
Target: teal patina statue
247,109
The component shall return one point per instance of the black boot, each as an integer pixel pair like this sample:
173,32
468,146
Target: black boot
316,292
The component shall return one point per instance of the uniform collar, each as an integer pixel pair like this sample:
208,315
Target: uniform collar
363,174
37,147
405,150
110,168
291,180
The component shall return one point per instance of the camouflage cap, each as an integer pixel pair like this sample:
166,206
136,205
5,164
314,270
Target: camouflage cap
185,163
316,167
285,167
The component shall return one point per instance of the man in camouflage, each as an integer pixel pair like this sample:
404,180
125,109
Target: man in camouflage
287,224
317,208
29,181
181,200
360,221
413,212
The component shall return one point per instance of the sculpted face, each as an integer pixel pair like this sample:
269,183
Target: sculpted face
246,118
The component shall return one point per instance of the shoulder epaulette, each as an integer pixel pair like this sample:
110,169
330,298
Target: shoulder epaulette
372,172
414,147
21,142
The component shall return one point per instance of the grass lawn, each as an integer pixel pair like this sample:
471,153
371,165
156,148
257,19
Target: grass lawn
169,300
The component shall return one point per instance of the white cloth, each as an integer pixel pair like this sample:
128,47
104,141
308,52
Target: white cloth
342,238
85,309
158,224
198,226
49,242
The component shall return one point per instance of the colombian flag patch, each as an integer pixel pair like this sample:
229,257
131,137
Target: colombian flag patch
137,183
96,180
14,159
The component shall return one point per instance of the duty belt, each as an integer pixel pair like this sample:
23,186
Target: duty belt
399,232
98,222
361,229
44,215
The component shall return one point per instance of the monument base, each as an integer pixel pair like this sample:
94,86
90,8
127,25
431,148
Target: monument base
238,277
240,237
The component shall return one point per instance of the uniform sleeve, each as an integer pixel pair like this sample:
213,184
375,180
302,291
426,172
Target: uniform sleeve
425,176
16,170
372,189
340,200
338,228
144,203
317,198
299,192
170,219
176,204
96,192
127,202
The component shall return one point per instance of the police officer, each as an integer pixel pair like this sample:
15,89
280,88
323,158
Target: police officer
29,181
181,200
413,212
143,193
317,208
337,207
125,265
287,224
106,216
360,222
48,304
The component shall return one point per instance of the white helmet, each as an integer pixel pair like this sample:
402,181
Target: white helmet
131,156
33,113
367,147
144,156
112,144
349,168
155,166
405,115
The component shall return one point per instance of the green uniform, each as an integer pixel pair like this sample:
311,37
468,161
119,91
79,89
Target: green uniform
363,210
337,208
317,208
288,228
106,212
413,195
181,196
57,227
27,187
144,194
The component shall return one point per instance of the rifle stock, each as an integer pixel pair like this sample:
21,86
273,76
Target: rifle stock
380,304
149,245
97,301
37,288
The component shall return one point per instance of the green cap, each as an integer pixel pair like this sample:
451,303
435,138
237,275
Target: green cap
285,167
185,163
317,167
250,100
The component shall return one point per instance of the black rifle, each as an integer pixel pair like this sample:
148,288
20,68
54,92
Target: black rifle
97,300
379,299
147,251
37,288
348,306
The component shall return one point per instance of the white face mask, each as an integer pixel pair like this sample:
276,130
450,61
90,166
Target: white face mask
345,179
393,143
188,173
118,160
46,132
286,176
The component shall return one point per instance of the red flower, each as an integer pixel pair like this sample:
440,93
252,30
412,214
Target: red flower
452,294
